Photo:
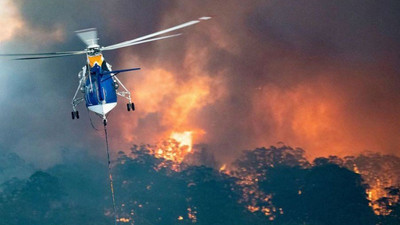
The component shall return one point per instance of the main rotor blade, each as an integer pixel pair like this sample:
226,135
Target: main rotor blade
48,56
88,36
46,53
136,43
127,43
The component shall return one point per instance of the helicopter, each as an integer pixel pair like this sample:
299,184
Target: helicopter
98,83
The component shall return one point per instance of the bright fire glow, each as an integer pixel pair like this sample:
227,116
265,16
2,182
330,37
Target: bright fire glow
123,220
184,139
222,168
175,148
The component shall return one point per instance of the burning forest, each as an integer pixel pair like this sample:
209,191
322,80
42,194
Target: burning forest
157,184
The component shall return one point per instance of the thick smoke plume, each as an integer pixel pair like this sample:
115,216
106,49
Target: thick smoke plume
320,75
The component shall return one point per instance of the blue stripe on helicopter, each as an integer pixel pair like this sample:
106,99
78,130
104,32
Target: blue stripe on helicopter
100,88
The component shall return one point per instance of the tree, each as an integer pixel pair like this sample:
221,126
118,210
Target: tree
336,195
301,193
34,202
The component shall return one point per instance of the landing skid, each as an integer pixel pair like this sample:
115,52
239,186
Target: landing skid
125,94
77,100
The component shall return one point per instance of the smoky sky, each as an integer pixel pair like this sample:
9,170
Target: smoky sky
321,75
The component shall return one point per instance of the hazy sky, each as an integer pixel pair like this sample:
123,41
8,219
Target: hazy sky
318,74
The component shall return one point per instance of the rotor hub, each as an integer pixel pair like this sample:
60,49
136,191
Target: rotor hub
93,50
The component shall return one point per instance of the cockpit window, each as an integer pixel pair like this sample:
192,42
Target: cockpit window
93,51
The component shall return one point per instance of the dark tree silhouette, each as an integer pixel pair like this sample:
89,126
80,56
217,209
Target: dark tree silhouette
325,193
155,195
32,203
394,209
275,183
336,195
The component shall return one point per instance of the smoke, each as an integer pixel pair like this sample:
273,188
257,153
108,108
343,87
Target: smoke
10,20
321,75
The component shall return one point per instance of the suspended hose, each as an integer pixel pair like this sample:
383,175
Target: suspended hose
91,122
109,174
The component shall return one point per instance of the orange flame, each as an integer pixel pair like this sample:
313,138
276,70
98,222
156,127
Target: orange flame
185,139
175,148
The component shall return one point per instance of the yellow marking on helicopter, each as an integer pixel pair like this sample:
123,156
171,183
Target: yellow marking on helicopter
96,59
